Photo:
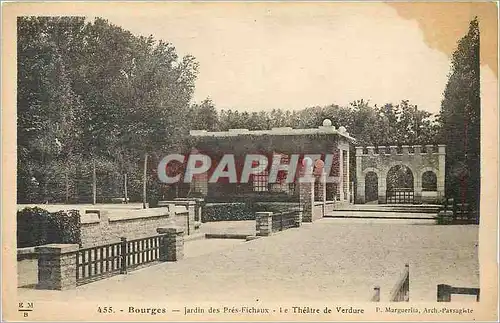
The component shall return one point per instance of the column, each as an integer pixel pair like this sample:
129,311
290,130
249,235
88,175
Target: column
172,245
306,200
322,190
347,170
264,223
382,187
417,180
191,208
360,180
57,266
341,174
298,216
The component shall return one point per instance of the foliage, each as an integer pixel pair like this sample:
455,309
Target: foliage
89,91
399,176
212,212
36,226
227,212
460,117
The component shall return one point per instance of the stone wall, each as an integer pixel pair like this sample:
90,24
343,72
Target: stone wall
27,267
104,227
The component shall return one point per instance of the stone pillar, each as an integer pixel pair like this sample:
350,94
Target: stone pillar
418,149
322,190
198,205
417,194
264,223
57,266
306,198
191,208
360,180
348,193
172,245
298,216
191,214
382,187
440,176
341,174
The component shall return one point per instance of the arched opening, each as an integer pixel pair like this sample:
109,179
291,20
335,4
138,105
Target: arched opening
429,181
371,187
399,185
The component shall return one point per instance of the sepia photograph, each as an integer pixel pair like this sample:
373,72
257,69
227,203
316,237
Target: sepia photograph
250,161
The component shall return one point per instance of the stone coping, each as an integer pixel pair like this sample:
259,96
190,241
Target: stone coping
138,214
26,251
126,215
170,230
57,248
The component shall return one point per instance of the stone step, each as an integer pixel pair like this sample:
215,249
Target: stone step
400,208
381,215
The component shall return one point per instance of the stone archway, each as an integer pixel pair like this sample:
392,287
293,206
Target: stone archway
416,159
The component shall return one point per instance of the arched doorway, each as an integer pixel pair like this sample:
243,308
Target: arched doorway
400,185
371,187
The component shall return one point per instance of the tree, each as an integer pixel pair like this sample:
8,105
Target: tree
460,117
91,92
204,116
48,108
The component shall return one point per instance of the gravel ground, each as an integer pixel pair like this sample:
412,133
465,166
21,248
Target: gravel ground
329,260
237,227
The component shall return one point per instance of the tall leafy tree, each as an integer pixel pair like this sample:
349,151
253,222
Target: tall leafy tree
460,117
92,93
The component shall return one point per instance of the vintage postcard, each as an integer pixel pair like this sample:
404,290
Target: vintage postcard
249,161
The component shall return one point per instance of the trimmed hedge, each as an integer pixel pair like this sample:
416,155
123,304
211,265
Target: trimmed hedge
212,212
237,211
36,226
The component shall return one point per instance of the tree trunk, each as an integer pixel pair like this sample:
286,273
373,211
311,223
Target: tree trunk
125,187
94,183
144,183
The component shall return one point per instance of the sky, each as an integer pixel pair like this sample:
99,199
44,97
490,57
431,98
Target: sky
290,56
261,56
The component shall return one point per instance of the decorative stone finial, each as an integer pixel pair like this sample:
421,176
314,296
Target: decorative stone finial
342,129
327,123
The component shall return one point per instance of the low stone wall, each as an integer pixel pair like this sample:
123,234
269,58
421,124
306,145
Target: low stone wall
99,227
27,267
330,206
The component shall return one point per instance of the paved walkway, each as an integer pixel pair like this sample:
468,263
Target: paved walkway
233,227
331,259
